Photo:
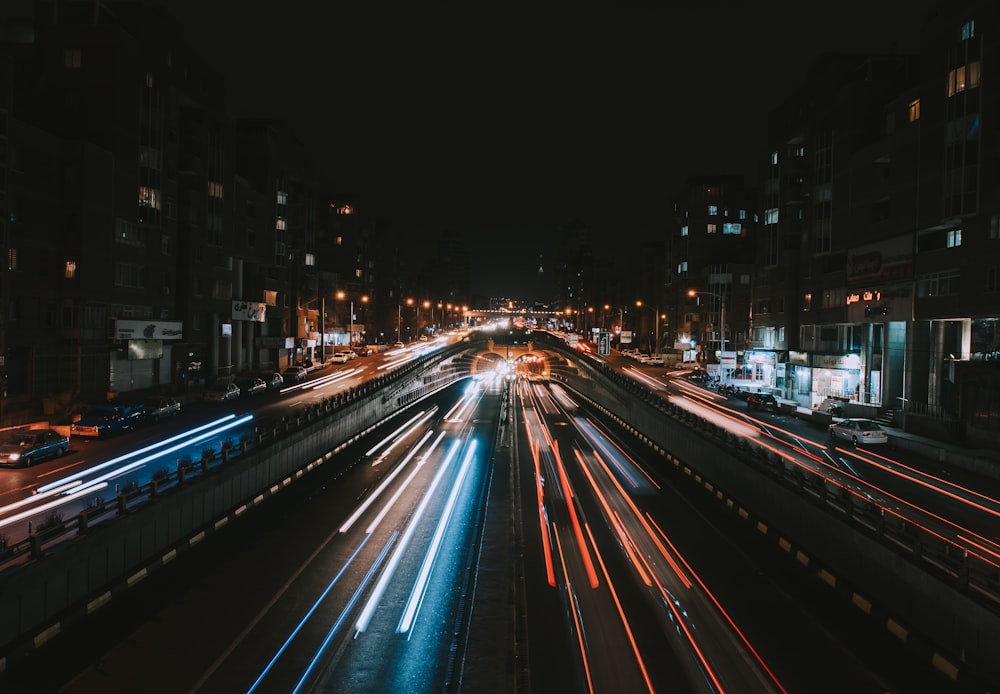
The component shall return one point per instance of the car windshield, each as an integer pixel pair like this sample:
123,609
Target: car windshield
22,439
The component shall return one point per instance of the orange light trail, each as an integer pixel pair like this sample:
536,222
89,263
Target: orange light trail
625,497
621,614
576,617
718,605
574,521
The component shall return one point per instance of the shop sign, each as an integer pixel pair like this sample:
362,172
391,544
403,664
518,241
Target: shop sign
249,310
836,361
148,330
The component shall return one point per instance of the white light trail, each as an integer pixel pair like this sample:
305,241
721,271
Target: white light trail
52,504
378,490
420,585
397,555
132,454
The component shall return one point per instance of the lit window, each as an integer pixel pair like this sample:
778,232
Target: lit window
713,210
270,297
968,30
682,266
310,259
771,216
732,228
807,302
711,228
954,238
684,230
915,110
799,151
964,77
774,158
742,214
70,269
215,190
71,58
282,197
149,197
12,259
281,224
973,74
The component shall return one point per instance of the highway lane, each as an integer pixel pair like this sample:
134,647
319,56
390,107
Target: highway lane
362,584
709,608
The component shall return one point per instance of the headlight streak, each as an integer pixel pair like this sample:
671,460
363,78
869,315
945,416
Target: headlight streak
369,609
577,621
708,593
330,379
637,375
343,615
61,486
180,446
717,418
132,454
387,506
563,398
621,614
419,590
403,427
55,503
312,610
618,456
373,497
37,497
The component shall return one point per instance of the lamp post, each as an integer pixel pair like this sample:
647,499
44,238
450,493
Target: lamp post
722,317
656,327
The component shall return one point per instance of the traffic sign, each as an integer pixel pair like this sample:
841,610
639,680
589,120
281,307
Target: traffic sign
604,343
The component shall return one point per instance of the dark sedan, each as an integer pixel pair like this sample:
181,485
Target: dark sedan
25,447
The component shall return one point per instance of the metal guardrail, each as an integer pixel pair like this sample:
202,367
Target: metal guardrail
55,529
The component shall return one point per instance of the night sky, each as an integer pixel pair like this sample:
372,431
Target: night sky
505,122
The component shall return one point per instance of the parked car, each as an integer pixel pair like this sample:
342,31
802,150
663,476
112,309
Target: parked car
223,393
251,386
294,374
860,432
654,361
274,380
110,418
400,344
339,358
26,447
761,401
363,351
156,409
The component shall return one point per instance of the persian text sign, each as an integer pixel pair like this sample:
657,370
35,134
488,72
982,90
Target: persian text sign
249,310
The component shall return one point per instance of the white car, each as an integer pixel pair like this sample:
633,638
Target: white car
223,393
860,432
339,358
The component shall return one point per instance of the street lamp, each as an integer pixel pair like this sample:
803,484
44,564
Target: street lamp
656,326
722,316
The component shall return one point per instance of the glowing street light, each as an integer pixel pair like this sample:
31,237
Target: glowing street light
722,314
